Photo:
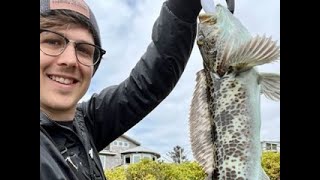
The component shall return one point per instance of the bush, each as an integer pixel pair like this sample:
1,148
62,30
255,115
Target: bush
116,174
271,164
151,170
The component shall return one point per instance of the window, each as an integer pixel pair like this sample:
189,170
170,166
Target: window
121,144
136,158
147,156
268,146
127,160
271,146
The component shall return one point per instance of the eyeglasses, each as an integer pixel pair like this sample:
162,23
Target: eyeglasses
54,44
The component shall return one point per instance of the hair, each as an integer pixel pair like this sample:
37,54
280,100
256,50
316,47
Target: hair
63,18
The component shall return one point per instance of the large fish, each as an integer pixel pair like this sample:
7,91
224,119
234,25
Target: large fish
225,110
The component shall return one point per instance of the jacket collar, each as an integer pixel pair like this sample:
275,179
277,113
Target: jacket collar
44,119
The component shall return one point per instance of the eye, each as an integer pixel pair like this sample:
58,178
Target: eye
85,50
53,42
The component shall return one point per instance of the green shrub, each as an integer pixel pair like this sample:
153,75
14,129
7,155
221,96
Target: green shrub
151,170
271,164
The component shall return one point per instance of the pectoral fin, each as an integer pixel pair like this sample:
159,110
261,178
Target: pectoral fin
270,85
257,51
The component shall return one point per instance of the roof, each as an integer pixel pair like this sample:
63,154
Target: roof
106,152
270,141
140,149
130,139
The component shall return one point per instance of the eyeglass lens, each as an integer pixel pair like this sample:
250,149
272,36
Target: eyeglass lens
54,44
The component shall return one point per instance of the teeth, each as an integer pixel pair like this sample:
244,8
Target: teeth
61,80
67,81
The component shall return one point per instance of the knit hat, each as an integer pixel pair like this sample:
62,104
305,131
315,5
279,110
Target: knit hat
78,6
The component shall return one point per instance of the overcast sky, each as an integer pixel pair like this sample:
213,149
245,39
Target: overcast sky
126,26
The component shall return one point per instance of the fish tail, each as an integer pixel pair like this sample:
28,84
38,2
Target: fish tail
256,51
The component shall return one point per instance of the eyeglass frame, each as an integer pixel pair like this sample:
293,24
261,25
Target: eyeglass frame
67,41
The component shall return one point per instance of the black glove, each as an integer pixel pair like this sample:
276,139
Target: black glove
230,4
186,10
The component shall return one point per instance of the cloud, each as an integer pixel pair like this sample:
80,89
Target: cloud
126,27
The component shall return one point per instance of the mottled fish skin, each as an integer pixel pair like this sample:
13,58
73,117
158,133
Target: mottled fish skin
237,126
225,110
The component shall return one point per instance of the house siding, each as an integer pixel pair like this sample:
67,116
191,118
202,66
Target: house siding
111,156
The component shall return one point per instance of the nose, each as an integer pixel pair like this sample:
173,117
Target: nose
68,57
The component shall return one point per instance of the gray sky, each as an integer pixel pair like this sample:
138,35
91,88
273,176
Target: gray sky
126,26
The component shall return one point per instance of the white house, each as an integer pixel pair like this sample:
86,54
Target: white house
123,151
270,146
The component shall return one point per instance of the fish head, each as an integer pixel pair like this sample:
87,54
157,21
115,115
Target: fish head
219,34
206,38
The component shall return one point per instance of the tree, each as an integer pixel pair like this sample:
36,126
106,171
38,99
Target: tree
177,155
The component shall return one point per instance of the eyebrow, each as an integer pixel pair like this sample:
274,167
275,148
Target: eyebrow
77,41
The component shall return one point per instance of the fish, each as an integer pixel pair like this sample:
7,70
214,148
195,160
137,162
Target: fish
225,112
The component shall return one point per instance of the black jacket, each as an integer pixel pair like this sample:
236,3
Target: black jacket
72,152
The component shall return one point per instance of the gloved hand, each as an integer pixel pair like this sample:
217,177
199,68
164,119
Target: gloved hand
231,5
209,7
187,10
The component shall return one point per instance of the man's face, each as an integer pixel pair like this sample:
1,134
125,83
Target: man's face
63,80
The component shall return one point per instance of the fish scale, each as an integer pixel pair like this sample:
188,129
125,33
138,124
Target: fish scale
224,119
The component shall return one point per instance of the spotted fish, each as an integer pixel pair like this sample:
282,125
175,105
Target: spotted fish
225,120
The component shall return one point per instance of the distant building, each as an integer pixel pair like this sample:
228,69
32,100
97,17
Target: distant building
270,146
124,151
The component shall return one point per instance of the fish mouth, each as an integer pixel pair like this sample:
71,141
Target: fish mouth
208,19
207,28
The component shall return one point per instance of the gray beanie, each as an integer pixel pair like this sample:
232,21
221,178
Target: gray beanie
78,6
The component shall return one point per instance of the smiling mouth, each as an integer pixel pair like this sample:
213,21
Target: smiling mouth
63,80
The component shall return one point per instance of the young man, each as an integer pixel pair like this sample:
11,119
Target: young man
72,133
